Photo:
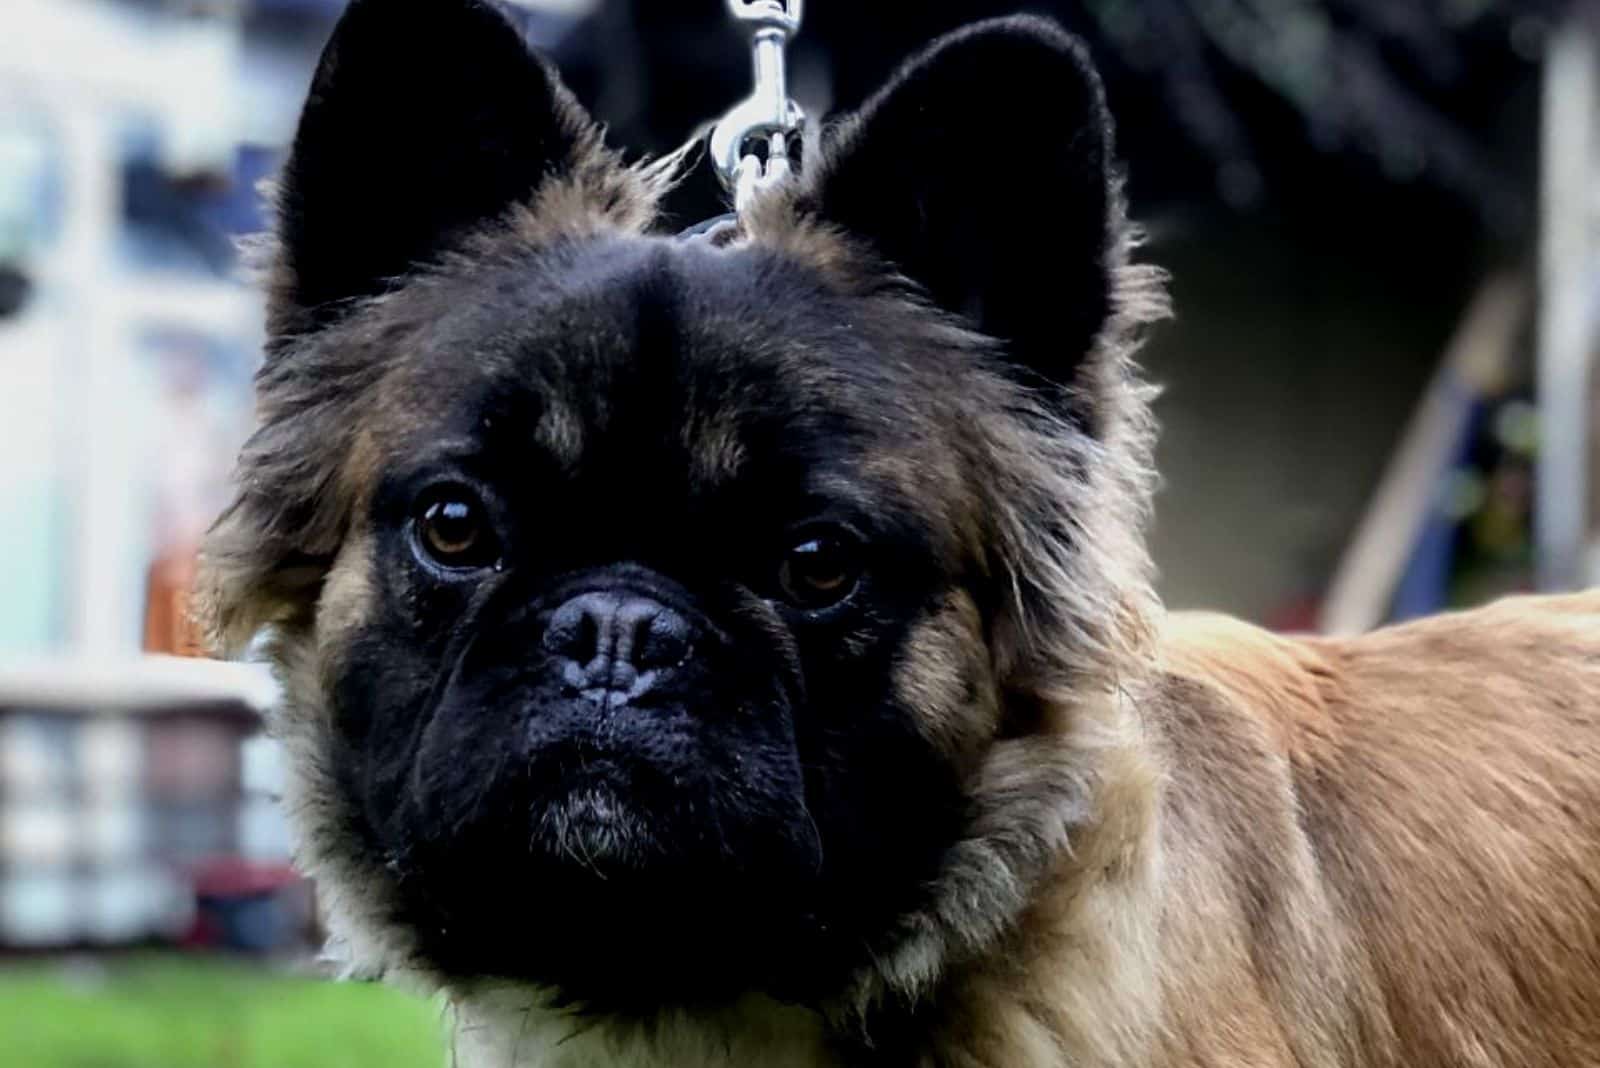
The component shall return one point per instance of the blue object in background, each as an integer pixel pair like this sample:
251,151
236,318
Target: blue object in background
1424,586
326,8
258,923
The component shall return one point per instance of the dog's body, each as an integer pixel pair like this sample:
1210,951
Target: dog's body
744,654
1389,843
1379,851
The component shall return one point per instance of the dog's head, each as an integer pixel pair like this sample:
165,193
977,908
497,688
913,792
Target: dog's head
661,621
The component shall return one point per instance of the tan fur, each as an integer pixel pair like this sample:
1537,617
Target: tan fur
944,674
507,1026
1381,851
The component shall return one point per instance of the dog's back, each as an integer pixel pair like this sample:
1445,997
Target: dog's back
1392,842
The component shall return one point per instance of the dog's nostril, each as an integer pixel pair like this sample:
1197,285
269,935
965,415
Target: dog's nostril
610,640
588,644
574,630
656,635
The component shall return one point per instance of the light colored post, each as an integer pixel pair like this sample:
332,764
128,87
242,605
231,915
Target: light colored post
104,615
1566,309
1477,364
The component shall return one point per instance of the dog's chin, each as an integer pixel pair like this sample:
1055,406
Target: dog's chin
600,832
604,907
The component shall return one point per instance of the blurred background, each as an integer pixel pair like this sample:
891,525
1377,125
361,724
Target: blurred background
1381,221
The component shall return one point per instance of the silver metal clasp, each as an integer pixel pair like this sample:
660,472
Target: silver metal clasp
767,113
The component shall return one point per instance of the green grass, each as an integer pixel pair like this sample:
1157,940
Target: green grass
183,1012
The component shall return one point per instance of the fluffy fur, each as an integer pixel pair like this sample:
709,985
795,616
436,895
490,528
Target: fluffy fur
1177,841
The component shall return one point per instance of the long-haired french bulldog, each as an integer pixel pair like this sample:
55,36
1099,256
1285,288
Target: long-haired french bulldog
743,653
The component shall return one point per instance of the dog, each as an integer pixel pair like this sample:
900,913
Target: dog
745,653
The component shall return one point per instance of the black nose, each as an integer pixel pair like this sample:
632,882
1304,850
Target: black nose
614,645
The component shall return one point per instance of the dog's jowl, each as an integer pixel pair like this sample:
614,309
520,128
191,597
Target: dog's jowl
744,653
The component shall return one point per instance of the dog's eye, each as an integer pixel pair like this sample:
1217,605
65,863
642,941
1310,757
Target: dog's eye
821,569
453,529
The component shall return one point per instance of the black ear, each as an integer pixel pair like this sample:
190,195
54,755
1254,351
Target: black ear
425,118
983,173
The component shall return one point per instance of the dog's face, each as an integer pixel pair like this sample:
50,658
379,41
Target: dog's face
655,615
644,553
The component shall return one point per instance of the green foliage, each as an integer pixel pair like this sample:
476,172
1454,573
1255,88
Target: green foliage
181,1012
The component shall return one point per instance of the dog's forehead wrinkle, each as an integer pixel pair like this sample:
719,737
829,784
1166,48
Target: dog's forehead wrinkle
715,344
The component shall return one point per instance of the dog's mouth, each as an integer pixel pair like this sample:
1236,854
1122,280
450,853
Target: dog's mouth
579,809
601,907
646,850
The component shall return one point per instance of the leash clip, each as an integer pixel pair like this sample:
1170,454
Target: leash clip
767,113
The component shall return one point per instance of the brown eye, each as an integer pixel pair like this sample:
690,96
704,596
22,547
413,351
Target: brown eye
454,531
821,569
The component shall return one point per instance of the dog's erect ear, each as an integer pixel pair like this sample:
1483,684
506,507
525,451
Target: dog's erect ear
425,118
983,173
